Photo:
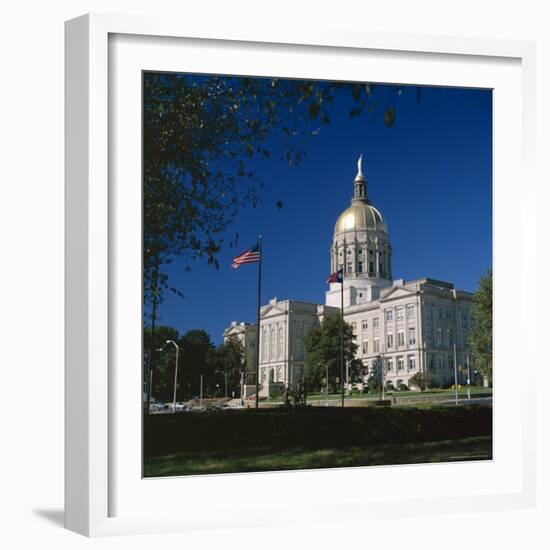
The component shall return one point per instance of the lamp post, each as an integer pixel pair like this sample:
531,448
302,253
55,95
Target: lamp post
380,366
468,365
382,376
242,386
225,376
175,372
347,378
149,394
326,382
456,374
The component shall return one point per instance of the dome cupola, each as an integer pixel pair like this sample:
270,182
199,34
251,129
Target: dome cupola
361,245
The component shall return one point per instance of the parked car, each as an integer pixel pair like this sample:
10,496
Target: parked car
158,406
182,407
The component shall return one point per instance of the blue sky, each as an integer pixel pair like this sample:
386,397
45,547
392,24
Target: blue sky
430,175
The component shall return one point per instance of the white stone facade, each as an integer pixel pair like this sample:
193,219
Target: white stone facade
414,326
283,328
406,326
246,334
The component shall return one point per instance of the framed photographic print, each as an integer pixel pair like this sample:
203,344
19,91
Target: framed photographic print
280,264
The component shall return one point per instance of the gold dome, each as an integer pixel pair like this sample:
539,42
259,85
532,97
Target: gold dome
360,216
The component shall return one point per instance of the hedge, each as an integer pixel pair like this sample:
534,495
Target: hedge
314,427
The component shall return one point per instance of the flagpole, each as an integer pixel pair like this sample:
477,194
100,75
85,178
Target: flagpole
342,336
258,331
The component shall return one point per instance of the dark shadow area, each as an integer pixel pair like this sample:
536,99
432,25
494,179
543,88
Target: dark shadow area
57,517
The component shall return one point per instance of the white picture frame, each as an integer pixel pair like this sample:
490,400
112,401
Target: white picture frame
95,442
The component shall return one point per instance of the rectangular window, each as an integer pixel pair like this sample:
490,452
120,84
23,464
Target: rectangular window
450,363
350,270
360,267
365,347
400,363
400,338
365,324
376,345
412,336
354,326
412,362
389,341
375,322
449,314
265,344
371,268
400,313
389,364
389,314
410,311
439,337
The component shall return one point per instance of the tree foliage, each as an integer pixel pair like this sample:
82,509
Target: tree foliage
201,134
374,380
197,352
322,350
481,335
228,364
197,356
420,380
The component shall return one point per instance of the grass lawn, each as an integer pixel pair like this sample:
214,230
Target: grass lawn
294,458
474,390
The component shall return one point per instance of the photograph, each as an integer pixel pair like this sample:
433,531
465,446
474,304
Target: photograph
316,274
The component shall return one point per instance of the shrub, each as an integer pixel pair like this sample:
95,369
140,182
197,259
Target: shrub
314,427
276,391
419,380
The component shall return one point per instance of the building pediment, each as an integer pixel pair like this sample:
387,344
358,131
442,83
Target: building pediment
271,311
394,293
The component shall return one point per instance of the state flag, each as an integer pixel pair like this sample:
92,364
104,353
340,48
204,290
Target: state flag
336,277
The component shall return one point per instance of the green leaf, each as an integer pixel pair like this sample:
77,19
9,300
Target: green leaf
389,117
314,110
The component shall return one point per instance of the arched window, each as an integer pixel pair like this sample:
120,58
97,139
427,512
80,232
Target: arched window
280,343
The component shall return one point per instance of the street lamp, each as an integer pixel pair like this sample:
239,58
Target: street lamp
225,378
242,387
469,382
326,380
380,362
175,371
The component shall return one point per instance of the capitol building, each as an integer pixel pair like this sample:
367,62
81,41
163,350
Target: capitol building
406,326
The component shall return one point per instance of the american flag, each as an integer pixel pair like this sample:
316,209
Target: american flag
250,256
